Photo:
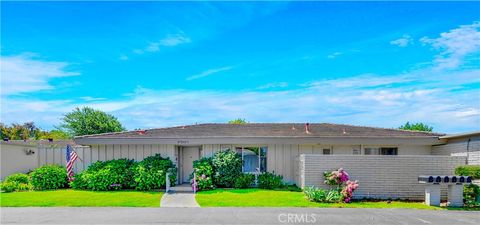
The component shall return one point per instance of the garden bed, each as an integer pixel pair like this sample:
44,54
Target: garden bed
272,198
77,198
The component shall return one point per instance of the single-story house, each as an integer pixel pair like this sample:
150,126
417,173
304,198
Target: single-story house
278,147
386,162
279,143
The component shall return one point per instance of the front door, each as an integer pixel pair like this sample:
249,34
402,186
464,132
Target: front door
189,154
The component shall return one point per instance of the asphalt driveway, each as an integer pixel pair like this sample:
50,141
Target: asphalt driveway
84,215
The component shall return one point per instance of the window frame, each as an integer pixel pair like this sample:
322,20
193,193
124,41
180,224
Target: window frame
259,158
327,149
380,150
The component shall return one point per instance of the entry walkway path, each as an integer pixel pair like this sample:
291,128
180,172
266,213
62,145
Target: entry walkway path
179,196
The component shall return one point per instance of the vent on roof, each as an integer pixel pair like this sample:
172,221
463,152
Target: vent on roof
307,128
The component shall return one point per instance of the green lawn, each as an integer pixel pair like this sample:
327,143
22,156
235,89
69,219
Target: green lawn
268,198
81,198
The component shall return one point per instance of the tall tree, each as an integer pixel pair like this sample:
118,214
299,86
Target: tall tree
87,121
29,131
238,121
416,127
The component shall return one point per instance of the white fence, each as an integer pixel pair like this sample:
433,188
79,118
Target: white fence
18,157
57,155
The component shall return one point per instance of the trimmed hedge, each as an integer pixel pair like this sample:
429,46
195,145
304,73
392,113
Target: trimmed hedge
469,170
16,182
148,174
18,178
151,173
471,194
106,176
49,177
245,181
269,180
228,167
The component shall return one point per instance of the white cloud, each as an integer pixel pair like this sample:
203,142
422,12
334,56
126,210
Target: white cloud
274,85
208,72
173,40
412,98
360,81
90,98
123,57
25,73
455,45
170,40
334,55
404,41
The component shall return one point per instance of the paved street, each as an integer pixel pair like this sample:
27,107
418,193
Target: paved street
105,215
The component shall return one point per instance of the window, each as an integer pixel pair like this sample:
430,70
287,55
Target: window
326,151
372,151
389,151
381,151
225,147
254,159
356,151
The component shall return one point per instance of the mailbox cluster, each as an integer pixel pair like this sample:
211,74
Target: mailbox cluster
455,188
444,179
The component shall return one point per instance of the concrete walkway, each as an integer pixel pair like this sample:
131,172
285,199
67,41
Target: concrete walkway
179,196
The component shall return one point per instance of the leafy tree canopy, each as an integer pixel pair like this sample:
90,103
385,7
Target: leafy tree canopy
416,127
85,121
238,121
28,131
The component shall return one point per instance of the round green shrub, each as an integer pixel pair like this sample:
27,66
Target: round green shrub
151,172
228,167
8,186
269,180
18,178
245,181
204,170
471,194
49,177
105,176
469,170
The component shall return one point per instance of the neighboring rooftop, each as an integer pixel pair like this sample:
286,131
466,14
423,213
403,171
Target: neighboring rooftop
264,130
461,135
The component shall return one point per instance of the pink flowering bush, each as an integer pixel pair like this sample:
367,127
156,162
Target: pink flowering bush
348,190
204,175
337,177
343,192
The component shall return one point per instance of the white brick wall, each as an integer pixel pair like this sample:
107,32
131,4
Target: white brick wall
378,176
458,147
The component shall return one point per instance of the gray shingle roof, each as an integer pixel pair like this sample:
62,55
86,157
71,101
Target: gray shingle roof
265,130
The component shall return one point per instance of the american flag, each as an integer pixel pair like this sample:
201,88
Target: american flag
71,157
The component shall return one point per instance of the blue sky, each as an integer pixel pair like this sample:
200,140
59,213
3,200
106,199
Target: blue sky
157,64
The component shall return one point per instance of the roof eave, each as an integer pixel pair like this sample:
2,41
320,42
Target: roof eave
428,140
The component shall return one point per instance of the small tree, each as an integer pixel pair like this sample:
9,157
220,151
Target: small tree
416,127
87,121
238,121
